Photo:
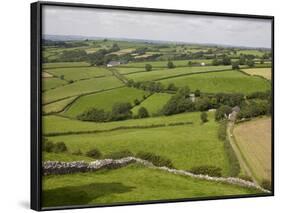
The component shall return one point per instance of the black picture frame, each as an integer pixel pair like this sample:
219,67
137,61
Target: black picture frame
36,106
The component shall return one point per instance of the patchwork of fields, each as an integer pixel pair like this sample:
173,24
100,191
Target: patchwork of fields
184,138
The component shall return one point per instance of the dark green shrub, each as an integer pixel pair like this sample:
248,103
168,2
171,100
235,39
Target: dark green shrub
136,101
94,153
222,130
93,114
59,147
148,67
77,152
48,146
155,159
119,154
207,170
143,113
266,184
170,65
204,117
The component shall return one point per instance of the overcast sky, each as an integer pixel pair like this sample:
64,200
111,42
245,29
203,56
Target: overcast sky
156,26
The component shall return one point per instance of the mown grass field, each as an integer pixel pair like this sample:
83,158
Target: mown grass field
129,184
154,103
264,72
130,70
78,73
254,141
81,87
104,100
166,73
227,82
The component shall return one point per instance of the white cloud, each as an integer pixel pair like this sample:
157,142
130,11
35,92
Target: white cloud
156,26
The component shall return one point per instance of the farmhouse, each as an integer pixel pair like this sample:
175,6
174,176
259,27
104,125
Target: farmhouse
232,116
113,63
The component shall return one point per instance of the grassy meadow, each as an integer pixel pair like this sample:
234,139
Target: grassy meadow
166,100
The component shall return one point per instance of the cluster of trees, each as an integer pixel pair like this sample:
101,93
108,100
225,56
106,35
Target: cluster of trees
49,146
120,111
151,86
73,55
181,102
254,109
63,44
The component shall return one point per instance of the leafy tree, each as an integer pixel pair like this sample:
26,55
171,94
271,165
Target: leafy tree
222,111
93,114
121,111
250,63
172,87
62,77
215,62
235,65
204,117
170,65
143,113
148,67
242,60
197,93
226,60
136,101
202,104
262,61
59,147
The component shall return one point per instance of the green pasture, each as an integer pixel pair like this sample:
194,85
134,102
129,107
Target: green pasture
153,103
58,124
81,87
163,64
166,73
64,65
78,73
51,83
104,100
184,145
57,106
133,183
227,82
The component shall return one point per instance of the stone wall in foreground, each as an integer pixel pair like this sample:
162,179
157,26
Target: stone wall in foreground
59,168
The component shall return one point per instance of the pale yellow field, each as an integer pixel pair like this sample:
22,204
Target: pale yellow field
264,72
123,51
254,141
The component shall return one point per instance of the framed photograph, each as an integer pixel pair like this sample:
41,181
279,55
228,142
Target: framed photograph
139,105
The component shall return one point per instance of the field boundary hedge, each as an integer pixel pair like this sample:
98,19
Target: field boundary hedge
195,73
116,129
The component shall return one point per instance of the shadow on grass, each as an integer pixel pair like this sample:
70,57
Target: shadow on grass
81,195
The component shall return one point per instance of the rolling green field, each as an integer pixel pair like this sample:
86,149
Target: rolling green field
57,106
154,103
185,139
78,73
58,124
163,64
104,100
166,73
51,83
81,87
64,65
228,82
130,184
